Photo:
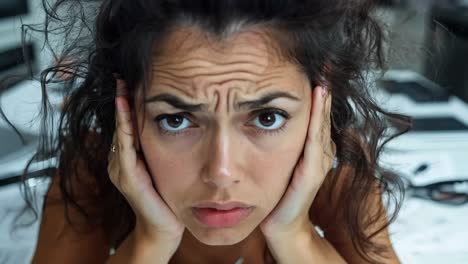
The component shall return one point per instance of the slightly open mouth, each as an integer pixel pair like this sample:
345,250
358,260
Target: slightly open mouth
221,218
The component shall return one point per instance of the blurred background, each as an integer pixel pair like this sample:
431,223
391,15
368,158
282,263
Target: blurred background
427,79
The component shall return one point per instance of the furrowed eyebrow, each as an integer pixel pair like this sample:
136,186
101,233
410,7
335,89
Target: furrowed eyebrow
176,102
265,99
181,104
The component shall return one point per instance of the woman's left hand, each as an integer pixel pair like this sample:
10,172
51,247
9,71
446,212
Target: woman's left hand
291,215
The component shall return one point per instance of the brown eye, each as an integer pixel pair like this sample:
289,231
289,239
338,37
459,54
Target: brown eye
270,119
174,121
267,119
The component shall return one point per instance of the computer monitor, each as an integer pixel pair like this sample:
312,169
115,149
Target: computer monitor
10,8
447,42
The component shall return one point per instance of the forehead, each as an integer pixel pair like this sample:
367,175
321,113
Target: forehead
193,58
181,43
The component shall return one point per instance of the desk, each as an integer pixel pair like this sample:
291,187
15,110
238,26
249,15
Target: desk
430,233
426,232
18,247
21,105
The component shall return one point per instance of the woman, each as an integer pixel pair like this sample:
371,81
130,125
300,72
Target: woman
206,132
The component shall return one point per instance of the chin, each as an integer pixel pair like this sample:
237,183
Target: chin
220,236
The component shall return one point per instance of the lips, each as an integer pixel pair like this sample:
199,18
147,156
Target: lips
221,214
222,205
214,218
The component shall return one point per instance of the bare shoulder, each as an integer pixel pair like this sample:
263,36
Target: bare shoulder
58,240
324,214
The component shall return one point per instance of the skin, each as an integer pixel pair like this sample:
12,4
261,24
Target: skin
222,152
156,234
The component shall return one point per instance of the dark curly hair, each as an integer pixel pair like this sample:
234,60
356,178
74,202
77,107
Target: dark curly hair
339,43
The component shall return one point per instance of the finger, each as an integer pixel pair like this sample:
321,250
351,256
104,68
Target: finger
123,116
136,133
327,110
317,134
329,145
317,116
124,126
120,88
327,127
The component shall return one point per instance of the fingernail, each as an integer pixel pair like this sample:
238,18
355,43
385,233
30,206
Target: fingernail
324,91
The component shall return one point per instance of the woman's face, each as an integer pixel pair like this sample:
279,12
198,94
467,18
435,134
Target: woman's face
223,148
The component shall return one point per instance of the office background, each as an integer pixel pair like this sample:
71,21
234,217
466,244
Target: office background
427,79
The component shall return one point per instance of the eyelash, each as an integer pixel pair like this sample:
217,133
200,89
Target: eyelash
187,115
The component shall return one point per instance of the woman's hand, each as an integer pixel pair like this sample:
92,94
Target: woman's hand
291,215
127,170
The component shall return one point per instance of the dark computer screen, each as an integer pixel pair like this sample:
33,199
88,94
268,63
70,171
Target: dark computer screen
9,8
447,59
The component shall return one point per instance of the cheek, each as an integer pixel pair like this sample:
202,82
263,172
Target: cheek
172,172
163,157
273,169
279,154
268,162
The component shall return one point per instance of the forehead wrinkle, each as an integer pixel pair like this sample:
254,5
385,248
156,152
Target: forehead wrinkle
175,83
246,55
245,66
192,91
217,99
232,99
205,78
250,85
268,81
217,90
179,88
190,87
273,75
172,65
197,61
237,92
202,58
202,80
250,91
214,96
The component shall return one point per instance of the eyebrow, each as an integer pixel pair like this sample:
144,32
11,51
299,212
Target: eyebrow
253,104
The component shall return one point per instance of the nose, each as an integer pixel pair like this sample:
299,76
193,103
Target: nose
219,171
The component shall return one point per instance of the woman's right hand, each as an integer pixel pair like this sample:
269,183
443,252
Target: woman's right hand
127,170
